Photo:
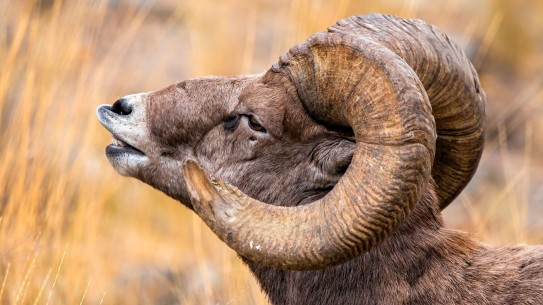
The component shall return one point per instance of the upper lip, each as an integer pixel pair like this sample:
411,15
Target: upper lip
105,115
127,144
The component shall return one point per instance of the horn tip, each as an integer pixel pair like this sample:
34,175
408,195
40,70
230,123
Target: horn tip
212,199
198,183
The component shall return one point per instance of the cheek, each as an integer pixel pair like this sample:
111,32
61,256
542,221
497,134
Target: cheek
220,148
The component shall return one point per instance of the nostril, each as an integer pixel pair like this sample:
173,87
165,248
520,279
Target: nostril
121,107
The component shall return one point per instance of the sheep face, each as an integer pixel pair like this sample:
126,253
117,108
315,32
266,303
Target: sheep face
250,131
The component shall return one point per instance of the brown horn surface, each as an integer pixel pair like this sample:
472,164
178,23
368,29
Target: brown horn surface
348,81
452,85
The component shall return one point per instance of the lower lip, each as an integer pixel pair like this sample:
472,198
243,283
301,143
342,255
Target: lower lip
113,151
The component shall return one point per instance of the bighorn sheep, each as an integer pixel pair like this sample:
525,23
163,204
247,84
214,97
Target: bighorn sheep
356,139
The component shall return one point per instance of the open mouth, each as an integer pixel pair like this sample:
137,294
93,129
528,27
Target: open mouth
119,146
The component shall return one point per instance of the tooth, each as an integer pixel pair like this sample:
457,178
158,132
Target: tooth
117,142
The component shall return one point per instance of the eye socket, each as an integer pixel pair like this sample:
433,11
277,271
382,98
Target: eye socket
255,125
230,123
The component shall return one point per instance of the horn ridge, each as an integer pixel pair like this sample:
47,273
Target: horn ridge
347,80
452,85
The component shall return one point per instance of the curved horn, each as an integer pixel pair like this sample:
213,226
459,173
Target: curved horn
452,85
347,81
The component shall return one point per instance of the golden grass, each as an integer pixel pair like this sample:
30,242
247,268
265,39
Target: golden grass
74,232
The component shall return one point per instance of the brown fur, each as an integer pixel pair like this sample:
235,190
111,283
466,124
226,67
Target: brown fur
297,160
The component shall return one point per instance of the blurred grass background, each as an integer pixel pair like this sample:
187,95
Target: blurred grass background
72,231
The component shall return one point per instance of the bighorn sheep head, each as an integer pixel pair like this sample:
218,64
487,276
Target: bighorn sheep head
323,155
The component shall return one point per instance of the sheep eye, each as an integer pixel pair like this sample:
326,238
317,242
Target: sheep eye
254,125
231,122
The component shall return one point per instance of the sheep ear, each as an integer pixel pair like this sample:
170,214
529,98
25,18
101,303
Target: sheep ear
333,156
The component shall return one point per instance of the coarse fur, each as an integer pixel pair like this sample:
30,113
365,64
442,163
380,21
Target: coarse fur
422,263
254,133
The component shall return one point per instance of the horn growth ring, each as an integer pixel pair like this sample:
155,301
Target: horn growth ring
348,81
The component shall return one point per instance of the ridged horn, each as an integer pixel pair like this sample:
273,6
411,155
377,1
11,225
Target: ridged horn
452,85
344,80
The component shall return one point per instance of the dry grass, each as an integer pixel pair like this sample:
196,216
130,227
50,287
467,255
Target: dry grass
73,232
